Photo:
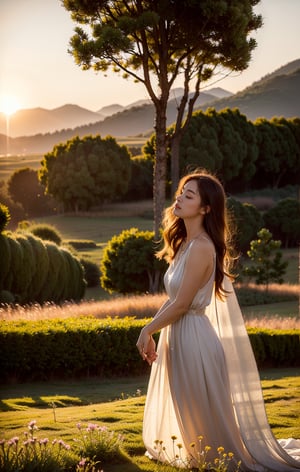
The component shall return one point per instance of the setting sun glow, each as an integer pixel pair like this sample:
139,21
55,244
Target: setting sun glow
9,105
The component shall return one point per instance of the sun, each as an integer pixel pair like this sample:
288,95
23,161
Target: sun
9,105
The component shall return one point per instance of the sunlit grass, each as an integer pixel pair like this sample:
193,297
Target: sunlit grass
281,390
276,315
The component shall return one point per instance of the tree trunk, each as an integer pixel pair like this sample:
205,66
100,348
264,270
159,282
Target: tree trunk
174,164
160,166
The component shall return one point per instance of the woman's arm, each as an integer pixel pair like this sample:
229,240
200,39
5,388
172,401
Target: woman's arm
198,268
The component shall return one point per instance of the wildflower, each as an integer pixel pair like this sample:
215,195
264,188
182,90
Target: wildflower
207,448
62,444
102,428
91,427
192,444
173,438
44,441
78,426
32,425
179,446
220,449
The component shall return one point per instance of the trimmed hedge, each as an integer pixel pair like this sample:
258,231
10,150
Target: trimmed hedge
86,346
33,270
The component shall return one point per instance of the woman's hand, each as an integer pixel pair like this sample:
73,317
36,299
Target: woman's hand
146,346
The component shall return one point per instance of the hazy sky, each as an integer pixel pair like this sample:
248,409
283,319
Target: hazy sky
37,70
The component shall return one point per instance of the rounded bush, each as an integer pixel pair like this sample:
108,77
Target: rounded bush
4,217
91,272
46,232
129,264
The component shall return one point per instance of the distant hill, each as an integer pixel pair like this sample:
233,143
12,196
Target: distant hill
31,121
132,121
276,94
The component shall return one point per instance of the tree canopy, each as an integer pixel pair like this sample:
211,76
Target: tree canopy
85,172
157,41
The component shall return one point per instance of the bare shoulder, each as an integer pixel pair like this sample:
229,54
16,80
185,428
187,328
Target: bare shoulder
203,242
202,248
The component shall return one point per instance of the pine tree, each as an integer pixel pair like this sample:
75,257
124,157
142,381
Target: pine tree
266,256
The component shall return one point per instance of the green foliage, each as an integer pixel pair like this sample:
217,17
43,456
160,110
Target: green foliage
251,296
5,257
38,271
267,261
87,346
82,244
279,151
246,221
129,264
243,153
46,232
39,454
102,445
127,37
4,217
274,347
283,220
140,185
91,272
120,35
24,188
6,297
223,142
70,347
85,172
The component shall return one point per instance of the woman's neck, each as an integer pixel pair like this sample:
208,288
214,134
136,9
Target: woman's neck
193,233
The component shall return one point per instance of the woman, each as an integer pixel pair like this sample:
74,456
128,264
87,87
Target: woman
204,381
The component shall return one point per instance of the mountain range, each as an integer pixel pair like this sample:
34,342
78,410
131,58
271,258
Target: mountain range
28,122
38,130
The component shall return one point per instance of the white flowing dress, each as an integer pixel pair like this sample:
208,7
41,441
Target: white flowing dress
205,383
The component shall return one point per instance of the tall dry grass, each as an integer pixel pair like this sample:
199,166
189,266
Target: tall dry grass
142,306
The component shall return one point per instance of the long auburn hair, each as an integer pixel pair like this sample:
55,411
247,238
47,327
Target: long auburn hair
216,225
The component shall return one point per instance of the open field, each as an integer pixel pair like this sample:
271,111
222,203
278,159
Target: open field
95,227
118,404
11,163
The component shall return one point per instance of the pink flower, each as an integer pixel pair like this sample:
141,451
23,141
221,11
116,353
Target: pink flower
32,425
91,427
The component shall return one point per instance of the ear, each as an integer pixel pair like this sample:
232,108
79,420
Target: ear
205,209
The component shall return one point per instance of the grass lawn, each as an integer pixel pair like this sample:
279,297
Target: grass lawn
119,404
282,309
97,228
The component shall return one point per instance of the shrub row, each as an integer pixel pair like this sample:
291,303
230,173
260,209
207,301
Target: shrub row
33,270
82,244
86,346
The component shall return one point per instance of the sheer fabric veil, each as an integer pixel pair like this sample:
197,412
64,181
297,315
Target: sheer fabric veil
227,320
